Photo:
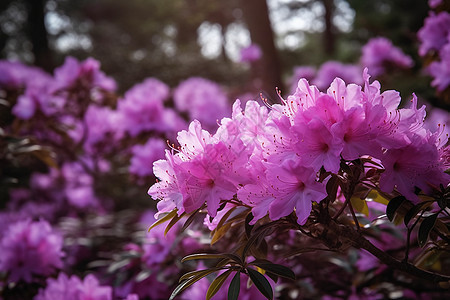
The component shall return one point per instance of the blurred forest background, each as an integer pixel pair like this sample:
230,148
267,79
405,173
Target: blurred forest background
173,40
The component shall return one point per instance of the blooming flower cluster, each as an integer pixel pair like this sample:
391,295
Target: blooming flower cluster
379,54
434,37
142,109
29,249
197,96
73,288
271,160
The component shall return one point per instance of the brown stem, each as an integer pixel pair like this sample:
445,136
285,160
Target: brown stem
359,241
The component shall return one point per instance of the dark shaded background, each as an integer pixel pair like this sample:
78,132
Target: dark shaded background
136,39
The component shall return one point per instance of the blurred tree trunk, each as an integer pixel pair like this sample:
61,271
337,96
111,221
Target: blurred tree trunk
37,33
256,15
328,34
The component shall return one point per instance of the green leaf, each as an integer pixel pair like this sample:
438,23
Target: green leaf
276,269
393,205
225,217
174,220
166,218
189,220
425,228
203,256
187,283
376,197
235,286
261,283
218,233
217,284
360,205
248,227
198,272
410,214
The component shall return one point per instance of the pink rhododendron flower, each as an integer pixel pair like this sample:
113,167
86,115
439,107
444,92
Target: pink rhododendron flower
270,160
440,70
143,156
379,53
30,249
434,3
86,74
293,186
435,33
332,69
415,165
73,288
15,75
142,110
202,99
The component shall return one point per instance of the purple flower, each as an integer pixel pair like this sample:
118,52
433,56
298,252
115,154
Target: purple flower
143,156
250,53
74,289
38,95
100,128
29,249
202,99
15,75
78,186
379,53
440,70
270,160
85,74
332,69
142,108
434,3
435,33
415,165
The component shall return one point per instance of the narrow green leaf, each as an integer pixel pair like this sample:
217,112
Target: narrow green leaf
360,205
261,283
248,227
235,286
166,218
187,283
198,272
425,228
217,284
410,214
203,256
220,232
276,269
225,217
393,205
174,220
190,219
272,276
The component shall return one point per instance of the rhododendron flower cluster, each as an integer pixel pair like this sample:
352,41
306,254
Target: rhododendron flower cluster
29,249
379,54
196,96
73,288
142,109
270,160
434,37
